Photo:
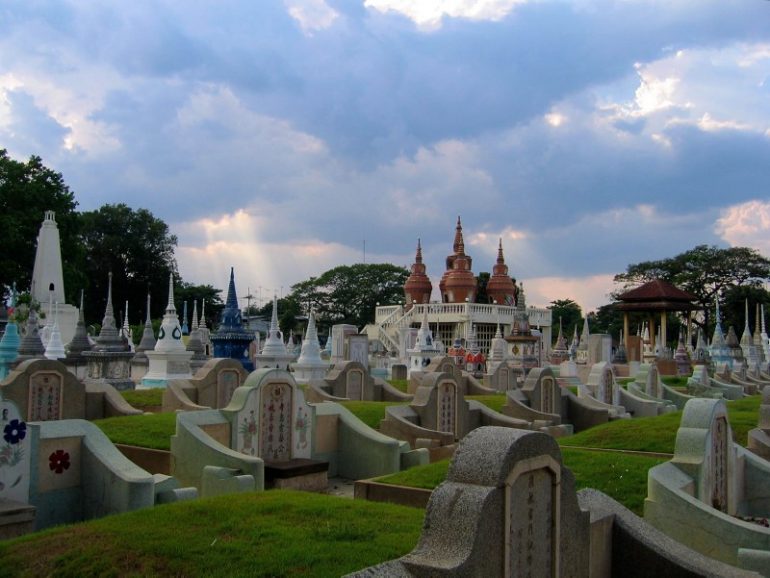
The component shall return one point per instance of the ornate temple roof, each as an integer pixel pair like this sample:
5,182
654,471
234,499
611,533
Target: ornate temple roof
500,287
418,287
458,282
656,295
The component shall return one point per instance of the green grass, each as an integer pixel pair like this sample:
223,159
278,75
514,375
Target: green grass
494,402
621,476
369,412
658,434
147,431
274,533
677,381
144,398
427,477
399,384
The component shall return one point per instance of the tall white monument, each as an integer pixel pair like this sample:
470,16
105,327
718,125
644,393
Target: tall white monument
48,280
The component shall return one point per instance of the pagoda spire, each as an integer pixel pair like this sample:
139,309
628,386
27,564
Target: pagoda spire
459,242
417,288
80,342
109,338
148,336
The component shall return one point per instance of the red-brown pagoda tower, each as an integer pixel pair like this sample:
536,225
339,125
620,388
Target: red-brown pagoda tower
418,287
458,282
500,288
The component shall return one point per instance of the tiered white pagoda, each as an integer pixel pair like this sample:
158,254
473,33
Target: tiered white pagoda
274,352
310,366
169,359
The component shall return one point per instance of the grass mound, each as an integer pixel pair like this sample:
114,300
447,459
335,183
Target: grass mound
621,476
144,399
369,412
494,402
399,384
274,533
658,434
148,431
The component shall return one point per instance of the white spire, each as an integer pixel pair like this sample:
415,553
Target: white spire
195,316
170,306
55,348
170,335
310,354
274,344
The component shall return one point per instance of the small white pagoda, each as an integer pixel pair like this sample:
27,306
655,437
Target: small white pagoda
169,359
274,353
310,366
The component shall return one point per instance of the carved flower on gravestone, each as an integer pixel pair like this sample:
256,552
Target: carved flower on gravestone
15,431
59,461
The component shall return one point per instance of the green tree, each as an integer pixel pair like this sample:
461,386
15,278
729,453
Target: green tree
27,190
705,271
191,293
733,306
139,251
570,314
350,293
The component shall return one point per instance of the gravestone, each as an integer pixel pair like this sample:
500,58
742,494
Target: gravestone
339,339
507,508
602,383
710,489
357,349
43,390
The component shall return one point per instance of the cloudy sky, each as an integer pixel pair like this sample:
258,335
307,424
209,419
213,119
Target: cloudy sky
282,136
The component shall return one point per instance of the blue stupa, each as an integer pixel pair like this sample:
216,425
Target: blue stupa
231,339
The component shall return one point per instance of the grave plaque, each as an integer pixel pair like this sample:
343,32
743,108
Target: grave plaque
532,506
355,385
719,449
275,422
45,396
607,385
547,395
447,407
228,381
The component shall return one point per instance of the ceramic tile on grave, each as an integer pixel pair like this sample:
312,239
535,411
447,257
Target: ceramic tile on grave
15,449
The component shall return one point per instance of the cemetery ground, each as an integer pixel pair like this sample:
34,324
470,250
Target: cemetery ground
284,533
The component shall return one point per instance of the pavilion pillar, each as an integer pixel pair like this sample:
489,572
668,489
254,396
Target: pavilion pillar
625,328
663,330
652,334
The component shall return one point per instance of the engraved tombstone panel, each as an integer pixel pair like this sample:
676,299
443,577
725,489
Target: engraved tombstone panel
358,349
228,381
607,384
502,377
719,473
546,395
447,407
275,422
355,385
45,396
532,523
653,387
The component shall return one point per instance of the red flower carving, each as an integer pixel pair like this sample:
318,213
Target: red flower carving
59,461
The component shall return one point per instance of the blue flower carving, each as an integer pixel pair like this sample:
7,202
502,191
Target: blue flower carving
15,431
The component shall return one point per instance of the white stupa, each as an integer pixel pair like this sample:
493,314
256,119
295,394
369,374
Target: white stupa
274,352
54,349
169,359
424,347
310,366
48,280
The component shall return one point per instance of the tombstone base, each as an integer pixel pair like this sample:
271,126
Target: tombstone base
16,519
297,474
